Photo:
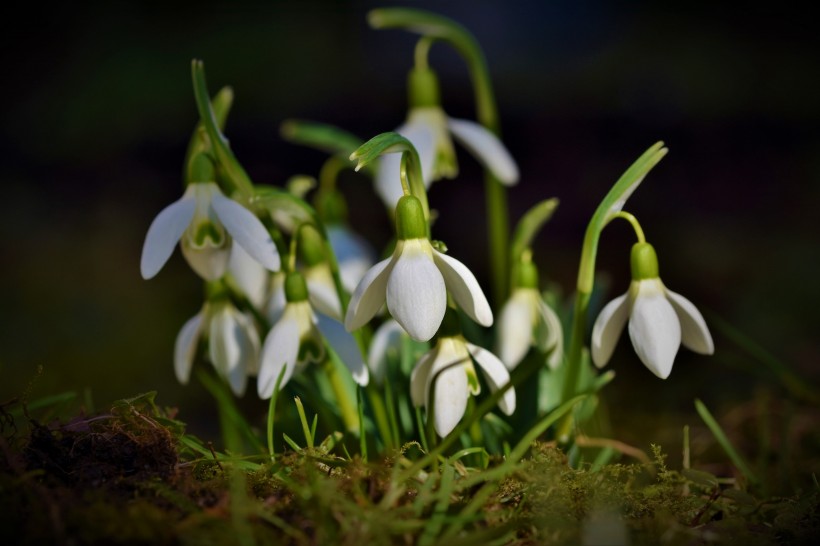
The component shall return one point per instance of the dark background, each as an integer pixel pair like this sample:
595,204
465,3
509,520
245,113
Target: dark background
97,109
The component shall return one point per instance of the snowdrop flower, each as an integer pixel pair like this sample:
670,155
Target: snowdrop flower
414,282
659,319
233,344
250,277
386,339
429,129
447,376
526,320
295,341
204,221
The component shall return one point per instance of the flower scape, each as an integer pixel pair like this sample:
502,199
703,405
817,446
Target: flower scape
387,395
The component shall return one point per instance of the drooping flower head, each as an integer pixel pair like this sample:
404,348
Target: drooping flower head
444,378
295,341
233,344
526,321
659,319
205,223
429,129
414,282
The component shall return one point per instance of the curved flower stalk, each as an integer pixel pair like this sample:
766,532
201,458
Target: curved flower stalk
205,222
295,341
431,131
233,344
446,376
414,282
659,319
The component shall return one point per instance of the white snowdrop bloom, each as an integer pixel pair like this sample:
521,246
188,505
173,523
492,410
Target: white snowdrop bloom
446,376
386,340
659,319
525,321
414,282
431,131
295,341
205,222
233,344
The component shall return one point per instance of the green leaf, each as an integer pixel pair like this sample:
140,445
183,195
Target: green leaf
724,442
322,136
529,225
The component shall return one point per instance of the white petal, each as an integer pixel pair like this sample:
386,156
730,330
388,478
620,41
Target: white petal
487,149
280,350
277,301
246,230
185,348
416,293
346,348
387,338
465,289
655,330
694,332
369,295
322,291
554,334
450,394
607,329
515,329
231,347
251,342
353,253
496,374
419,379
249,275
163,235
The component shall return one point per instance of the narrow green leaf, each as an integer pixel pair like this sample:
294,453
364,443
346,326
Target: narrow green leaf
321,136
529,225
724,442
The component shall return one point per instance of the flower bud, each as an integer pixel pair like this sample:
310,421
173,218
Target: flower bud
410,223
644,262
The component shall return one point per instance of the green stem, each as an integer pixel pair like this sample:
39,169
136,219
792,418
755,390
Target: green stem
434,26
634,222
381,417
609,208
347,408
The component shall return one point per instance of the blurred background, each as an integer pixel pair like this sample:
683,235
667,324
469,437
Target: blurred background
98,109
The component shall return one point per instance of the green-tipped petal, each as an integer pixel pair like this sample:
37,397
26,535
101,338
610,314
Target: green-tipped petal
280,350
369,295
247,231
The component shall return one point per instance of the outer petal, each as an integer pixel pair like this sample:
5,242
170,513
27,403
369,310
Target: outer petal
278,301
694,332
654,329
496,374
322,291
246,230
369,295
163,235
386,338
280,350
416,293
554,333
419,379
450,394
388,178
346,347
465,288
249,274
607,329
231,347
185,348
515,329
486,147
